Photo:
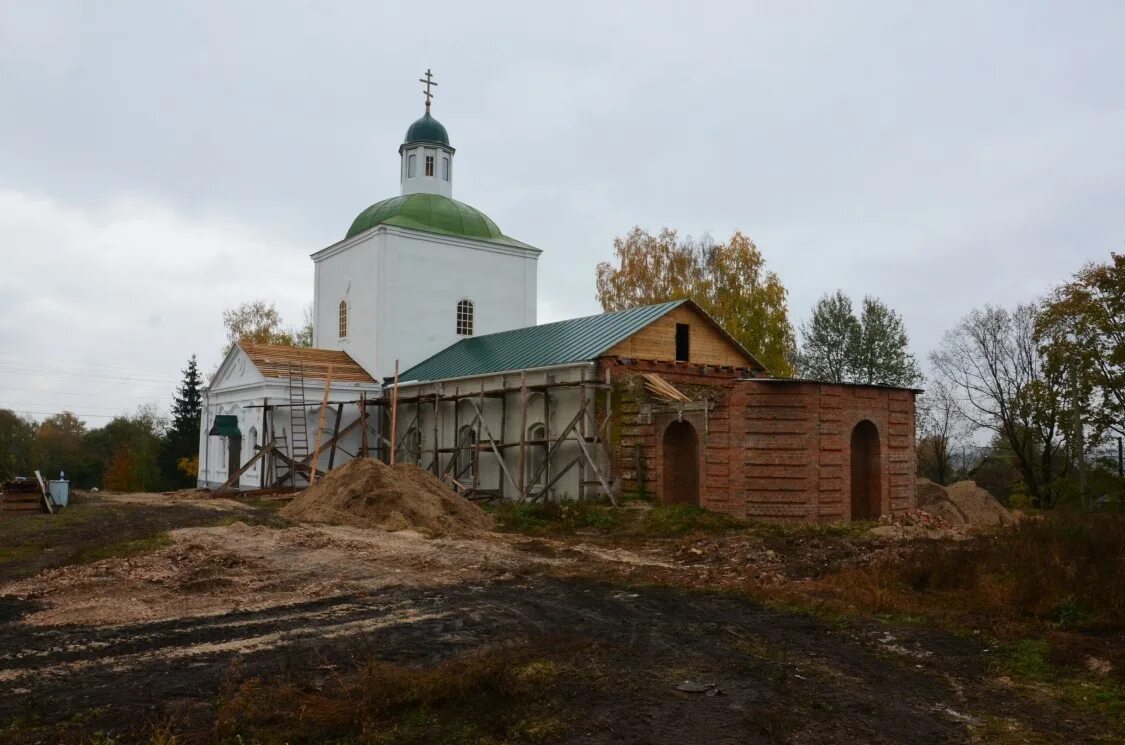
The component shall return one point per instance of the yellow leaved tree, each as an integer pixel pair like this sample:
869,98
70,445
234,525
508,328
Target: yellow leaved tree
729,280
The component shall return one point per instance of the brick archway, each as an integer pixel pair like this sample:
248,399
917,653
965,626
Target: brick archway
680,450
866,472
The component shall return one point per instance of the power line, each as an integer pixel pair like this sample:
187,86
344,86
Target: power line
23,359
12,406
52,413
85,376
45,393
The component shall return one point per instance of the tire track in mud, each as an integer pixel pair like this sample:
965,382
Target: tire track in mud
777,668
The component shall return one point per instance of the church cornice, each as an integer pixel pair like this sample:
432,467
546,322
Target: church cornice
525,251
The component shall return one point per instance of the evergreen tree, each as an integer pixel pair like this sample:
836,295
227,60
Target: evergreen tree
182,440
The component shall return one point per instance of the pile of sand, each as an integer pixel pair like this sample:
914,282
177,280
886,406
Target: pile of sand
366,493
963,504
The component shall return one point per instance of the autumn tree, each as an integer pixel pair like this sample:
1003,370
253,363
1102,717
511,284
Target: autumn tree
17,437
941,429
1081,333
60,447
128,448
838,347
258,322
182,440
728,280
992,364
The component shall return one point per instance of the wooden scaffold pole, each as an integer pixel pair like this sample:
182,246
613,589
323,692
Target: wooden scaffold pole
394,414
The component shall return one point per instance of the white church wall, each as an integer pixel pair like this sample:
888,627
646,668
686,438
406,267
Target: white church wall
246,403
349,271
403,286
426,275
564,405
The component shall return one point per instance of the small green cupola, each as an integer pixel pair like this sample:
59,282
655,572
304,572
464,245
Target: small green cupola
425,154
426,130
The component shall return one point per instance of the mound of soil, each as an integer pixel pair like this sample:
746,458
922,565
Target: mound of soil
979,507
367,493
963,504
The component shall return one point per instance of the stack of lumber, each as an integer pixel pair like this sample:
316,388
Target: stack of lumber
21,496
662,389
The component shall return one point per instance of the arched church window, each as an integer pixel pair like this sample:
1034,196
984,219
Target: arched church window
429,165
465,318
466,446
411,165
251,448
445,169
536,452
412,443
343,318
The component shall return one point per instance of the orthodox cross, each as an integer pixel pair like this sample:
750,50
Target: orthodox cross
428,80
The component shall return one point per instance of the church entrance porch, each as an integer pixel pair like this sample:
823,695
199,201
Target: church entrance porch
234,456
680,482
866,472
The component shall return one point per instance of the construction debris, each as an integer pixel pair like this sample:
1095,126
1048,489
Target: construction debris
662,389
21,495
369,494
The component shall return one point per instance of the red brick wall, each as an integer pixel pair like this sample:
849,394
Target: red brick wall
768,450
796,443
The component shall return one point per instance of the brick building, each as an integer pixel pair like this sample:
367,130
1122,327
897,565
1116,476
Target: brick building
658,402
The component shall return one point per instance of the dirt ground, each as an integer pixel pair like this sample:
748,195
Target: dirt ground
148,609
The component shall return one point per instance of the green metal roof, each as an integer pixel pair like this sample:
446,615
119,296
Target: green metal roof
432,213
426,129
559,343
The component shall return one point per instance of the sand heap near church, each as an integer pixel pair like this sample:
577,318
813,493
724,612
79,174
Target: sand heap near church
367,493
963,504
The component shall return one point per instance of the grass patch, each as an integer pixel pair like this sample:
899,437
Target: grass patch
122,549
501,696
1029,661
845,529
679,519
545,517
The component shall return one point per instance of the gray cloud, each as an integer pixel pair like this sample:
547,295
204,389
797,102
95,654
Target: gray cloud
161,161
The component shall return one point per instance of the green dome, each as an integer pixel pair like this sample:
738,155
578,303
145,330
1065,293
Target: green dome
430,212
427,129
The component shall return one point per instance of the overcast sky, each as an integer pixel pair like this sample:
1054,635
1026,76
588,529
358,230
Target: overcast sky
160,162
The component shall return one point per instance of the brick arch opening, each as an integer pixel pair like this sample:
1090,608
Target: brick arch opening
680,447
867,471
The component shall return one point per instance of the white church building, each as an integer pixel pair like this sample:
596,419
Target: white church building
657,401
413,274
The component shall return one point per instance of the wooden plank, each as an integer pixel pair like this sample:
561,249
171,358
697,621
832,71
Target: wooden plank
523,430
335,437
245,467
492,443
435,466
551,452
657,342
320,426
394,413
46,493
